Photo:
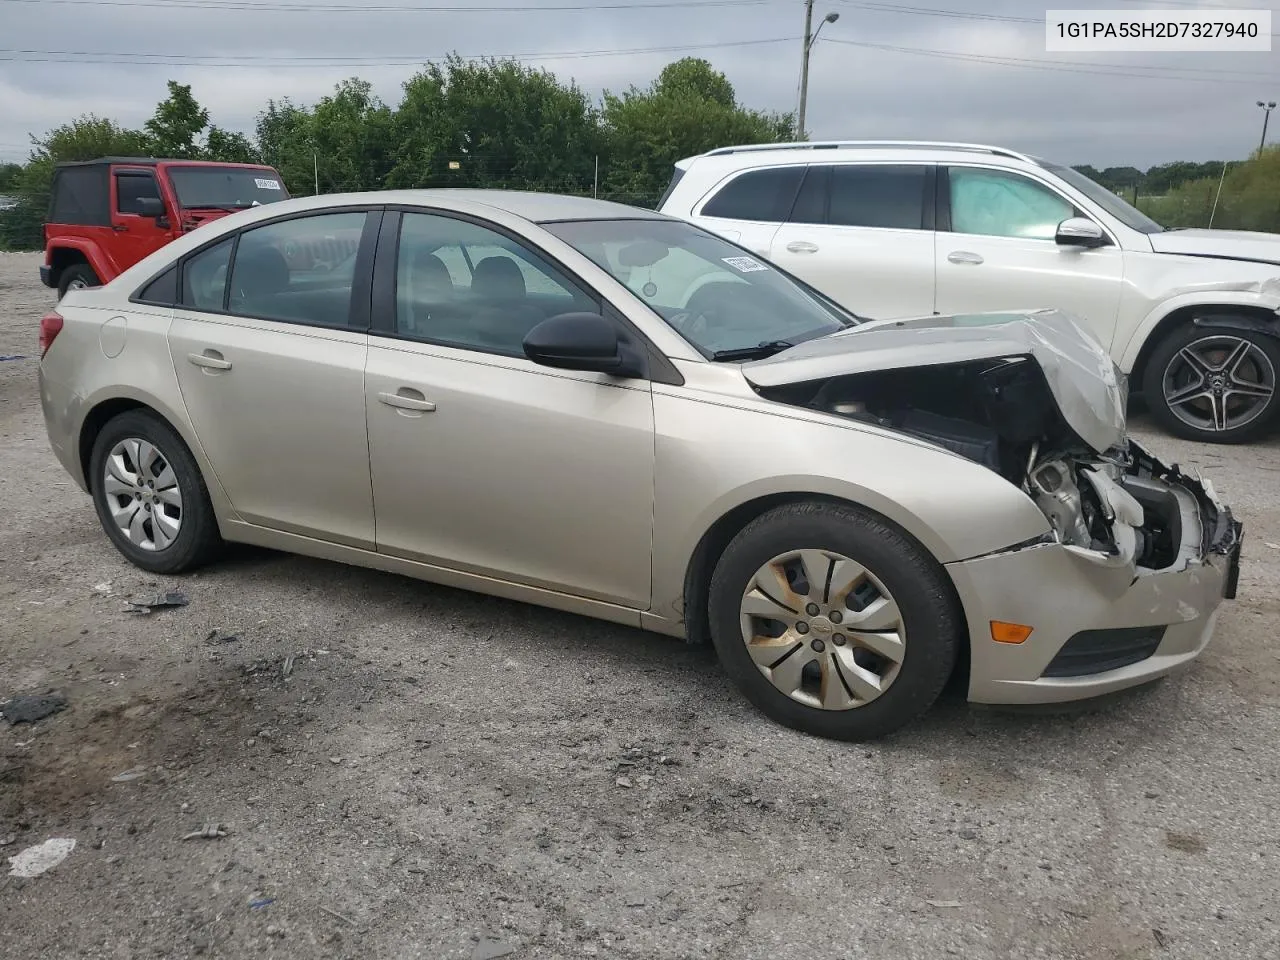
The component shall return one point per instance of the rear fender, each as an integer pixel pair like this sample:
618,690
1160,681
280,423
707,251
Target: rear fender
88,250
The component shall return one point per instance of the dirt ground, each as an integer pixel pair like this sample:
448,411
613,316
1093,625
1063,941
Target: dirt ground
407,771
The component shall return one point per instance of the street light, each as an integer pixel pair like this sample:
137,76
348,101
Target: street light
810,37
1266,115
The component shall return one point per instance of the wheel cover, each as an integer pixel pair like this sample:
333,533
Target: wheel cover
1219,383
142,494
823,629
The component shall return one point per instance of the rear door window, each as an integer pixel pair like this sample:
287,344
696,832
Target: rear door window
878,195
762,195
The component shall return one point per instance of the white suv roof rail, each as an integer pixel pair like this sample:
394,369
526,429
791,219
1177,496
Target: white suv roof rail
869,144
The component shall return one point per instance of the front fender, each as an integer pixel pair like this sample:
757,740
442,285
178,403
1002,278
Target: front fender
1264,295
711,458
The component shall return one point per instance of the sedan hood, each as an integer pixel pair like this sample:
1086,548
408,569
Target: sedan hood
1228,244
1086,385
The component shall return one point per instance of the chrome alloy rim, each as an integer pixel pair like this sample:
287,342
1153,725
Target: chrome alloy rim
142,494
823,629
1219,383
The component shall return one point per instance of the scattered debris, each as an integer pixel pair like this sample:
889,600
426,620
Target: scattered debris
1274,546
210,831
1151,794
30,709
161,602
1162,938
945,904
11,356
623,782
334,913
261,902
104,587
335,760
287,668
8,840
217,637
137,773
968,834
34,861
490,948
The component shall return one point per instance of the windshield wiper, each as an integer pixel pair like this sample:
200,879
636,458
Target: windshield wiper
766,348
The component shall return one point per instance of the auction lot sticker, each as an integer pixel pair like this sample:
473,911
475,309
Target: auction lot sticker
1127,31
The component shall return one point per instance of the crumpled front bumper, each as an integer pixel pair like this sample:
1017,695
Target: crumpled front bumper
1097,626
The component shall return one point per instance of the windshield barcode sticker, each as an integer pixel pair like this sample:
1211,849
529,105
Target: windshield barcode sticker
267,184
745,264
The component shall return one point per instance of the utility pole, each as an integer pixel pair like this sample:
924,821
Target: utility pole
810,37
1266,115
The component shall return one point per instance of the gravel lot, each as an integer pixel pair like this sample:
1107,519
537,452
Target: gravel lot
443,775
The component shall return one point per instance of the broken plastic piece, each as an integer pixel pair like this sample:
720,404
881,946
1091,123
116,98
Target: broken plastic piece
34,861
210,831
30,709
161,601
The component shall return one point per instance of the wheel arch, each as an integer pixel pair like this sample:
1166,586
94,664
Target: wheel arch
1226,315
65,253
716,538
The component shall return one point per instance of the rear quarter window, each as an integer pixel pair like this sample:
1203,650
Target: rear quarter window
764,195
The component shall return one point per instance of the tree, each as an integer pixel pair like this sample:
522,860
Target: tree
9,173
283,137
688,110
351,135
227,147
504,126
176,125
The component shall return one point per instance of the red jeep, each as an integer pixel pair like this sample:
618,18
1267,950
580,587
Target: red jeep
105,215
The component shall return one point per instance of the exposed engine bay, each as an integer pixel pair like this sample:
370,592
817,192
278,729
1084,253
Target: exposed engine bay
1121,506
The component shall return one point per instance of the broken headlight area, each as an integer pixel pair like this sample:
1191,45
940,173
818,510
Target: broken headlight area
1119,507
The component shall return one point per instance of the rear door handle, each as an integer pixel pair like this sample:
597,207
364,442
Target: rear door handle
209,360
406,398
802,246
964,256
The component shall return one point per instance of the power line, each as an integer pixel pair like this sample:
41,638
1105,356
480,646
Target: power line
936,12
211,60
1056,66
307,7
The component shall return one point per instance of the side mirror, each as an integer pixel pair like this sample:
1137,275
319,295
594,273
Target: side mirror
582,341
1080,232
150,207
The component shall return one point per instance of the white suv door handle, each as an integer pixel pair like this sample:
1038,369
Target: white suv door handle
964,256
802,246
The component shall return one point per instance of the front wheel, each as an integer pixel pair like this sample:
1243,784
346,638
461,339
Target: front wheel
79,276
833,622
1214,384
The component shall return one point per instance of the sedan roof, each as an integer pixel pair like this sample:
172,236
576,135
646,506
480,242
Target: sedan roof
528,205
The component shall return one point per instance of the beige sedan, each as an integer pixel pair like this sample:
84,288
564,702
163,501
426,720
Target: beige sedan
603,410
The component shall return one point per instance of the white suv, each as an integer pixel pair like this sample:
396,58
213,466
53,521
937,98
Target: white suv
898,229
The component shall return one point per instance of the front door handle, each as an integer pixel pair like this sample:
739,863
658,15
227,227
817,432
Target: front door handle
964,256
119,228
209,360
406,398
802,246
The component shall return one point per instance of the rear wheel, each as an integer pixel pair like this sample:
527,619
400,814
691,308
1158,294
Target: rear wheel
832,621
78,276
1214,384
150,496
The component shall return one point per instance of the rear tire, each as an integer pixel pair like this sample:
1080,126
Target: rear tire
1214,384
150,496
78,276
813,669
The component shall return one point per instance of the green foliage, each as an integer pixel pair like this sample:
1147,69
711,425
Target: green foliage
283,135
502,124
1250,198
176,125
351,135
227,147
9,173
689,109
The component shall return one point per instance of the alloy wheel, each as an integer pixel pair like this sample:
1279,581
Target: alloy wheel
823,629
1219,383
143,494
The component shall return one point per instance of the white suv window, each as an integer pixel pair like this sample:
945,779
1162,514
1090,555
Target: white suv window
764,195
994,203
890,196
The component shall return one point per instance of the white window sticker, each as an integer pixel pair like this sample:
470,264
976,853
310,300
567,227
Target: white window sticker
745,264
267,184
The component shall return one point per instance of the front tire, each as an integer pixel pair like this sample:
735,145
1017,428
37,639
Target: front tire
1214,384
832,621
150,496
79,276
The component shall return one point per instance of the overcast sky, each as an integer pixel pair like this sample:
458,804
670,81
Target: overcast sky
1138,109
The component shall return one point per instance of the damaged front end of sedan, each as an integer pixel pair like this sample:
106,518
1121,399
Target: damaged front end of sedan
1034,398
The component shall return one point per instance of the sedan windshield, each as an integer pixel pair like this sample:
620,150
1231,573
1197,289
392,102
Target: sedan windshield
727,303
226,188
